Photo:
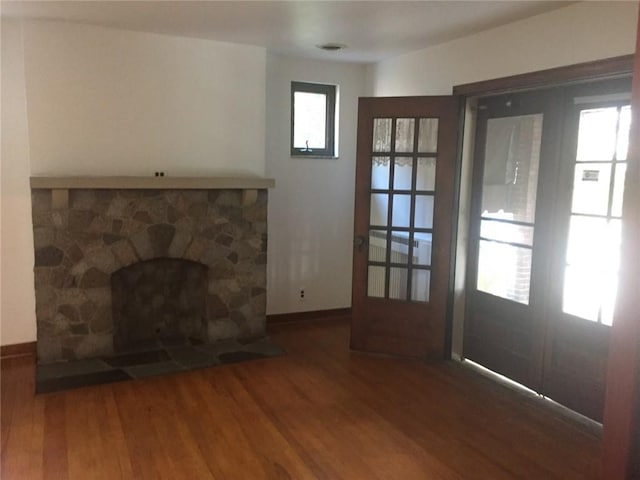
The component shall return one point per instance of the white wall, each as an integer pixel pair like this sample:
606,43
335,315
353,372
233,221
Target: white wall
578,33
17,324
311,208
89,100
104,101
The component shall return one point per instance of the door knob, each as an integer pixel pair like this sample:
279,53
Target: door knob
360,241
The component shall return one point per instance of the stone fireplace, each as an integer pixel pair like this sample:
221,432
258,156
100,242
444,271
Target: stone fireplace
124,263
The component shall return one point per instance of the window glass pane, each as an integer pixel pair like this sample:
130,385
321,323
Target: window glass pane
400,247
428,136
422,248
378,209
309,123
512,156
402,173
375,281
380,173
504,271
426,174
404,134
420,285
597,134
591,188
506,232
398,278
424,211
401,210
618,189
623,133
381,135
377,246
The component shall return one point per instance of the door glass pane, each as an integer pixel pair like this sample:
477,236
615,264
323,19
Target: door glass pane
623,133
426,174
506,232
504,271
587,241
424,211
400,247
609,293
512,156
618,189
597,134
377,246
582,292
380,173
375,281
428,136
422,248
403,167
591,188
591,274
420,285
398,278
401,210
378,209
381,135
404,134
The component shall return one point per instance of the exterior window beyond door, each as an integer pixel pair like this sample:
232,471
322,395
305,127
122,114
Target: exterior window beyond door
313,109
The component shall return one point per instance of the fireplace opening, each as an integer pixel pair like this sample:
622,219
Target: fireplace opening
159,302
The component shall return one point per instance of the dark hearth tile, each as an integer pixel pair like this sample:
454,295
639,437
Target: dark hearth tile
77,381
154,369
69,369
250,340
191,357
223,346
239,356
171,342
141,358
264,347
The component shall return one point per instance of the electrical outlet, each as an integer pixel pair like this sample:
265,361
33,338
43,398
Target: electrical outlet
302,294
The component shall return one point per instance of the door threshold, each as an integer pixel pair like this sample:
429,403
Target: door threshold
586,424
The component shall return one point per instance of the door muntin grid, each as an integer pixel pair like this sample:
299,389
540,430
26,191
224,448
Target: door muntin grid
402,195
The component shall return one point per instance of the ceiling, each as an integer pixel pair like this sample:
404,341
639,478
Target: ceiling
372,30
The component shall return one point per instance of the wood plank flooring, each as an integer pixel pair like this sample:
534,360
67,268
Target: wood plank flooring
318,412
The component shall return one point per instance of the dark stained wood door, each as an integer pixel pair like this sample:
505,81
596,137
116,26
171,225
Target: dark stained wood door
544,245
513,194
405,177
586,255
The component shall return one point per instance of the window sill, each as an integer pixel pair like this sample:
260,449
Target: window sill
326,157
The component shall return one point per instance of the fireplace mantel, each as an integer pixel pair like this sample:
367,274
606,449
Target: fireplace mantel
124,182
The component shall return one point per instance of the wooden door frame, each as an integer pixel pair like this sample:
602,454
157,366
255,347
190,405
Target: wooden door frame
621,438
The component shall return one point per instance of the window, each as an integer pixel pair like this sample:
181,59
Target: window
313,108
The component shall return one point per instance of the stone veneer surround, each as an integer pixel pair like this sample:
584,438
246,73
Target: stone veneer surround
80,242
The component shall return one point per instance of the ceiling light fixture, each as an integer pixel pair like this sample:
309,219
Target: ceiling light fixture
331,47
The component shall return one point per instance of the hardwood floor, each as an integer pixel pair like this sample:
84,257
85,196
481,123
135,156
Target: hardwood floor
317,412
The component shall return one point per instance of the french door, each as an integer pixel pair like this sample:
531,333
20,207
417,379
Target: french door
403,223
545,235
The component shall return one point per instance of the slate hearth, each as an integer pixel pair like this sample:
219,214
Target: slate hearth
148,363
